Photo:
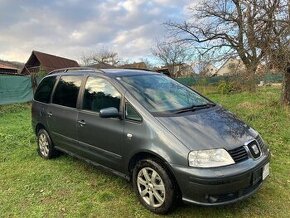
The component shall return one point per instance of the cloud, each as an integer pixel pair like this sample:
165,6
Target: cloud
71,28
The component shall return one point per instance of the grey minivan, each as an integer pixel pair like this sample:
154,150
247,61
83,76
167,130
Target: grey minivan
169,140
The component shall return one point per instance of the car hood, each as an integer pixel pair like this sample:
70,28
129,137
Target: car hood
208,128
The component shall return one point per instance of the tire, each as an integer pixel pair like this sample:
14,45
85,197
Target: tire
153,186
45,146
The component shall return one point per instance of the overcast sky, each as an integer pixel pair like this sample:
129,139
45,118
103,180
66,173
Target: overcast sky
71,28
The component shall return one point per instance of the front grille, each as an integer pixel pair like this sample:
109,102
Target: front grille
260,141
239,154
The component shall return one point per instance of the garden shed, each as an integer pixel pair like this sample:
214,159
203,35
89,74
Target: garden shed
42,62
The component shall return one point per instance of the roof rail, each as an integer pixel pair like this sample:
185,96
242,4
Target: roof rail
74,69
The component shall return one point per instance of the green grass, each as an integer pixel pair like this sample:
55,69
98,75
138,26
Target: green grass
34,187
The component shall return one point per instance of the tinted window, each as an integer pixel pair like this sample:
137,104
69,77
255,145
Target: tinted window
66,92
44,89
100,94
131,113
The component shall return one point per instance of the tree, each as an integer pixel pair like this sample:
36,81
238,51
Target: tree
243,28
104,55
170,54
286,87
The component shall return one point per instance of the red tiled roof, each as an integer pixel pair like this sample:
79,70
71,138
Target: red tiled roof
7,66
48,62
53,62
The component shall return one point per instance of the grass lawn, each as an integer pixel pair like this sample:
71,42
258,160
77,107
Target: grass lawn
32,187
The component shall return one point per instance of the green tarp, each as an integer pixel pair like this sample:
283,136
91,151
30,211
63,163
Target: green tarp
15,89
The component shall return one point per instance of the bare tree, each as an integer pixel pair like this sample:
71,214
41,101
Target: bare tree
103,55
170,54
235,27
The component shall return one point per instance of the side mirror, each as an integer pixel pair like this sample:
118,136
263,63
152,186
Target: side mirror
110,112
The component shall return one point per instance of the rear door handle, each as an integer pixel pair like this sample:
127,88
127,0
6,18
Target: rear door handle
81,122
49,114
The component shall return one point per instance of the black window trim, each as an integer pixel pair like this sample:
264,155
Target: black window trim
122,104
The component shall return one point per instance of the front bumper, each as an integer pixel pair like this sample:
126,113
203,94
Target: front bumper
223,185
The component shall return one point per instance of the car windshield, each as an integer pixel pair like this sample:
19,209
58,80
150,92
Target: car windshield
161,94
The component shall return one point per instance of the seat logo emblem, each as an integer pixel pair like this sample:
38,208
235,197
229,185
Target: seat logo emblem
255,149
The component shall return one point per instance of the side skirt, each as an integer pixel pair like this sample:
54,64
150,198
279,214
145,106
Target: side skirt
95,164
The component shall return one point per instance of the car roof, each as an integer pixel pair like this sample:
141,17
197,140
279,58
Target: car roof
107,72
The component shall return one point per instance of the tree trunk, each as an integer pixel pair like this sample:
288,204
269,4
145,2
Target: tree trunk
286,87
250,79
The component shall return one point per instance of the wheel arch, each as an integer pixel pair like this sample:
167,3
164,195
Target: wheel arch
38,127
151,155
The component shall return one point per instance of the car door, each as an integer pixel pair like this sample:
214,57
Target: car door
41,100
62,113
100,137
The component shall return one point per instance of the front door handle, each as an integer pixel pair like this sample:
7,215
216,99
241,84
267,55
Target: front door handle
81,122
49,114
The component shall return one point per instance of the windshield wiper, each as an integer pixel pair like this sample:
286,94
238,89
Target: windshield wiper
194,108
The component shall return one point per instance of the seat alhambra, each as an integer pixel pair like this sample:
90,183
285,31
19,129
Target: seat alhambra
171,142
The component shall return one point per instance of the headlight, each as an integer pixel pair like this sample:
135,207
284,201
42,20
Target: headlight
210,158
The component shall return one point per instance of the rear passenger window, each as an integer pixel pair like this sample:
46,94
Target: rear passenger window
67,90
44,89
100,94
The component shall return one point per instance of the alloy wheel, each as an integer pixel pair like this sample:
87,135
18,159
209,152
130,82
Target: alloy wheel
151,187
43,144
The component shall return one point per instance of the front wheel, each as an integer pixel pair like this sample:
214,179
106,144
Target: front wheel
153,186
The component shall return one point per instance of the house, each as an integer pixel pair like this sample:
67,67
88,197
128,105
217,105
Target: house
135,65
230,67
177,70
101,66
6,68
208,70
163,70
42,62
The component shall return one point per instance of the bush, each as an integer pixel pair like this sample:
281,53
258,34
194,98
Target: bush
225,87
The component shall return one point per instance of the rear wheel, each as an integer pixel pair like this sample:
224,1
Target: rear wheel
45,146
153,186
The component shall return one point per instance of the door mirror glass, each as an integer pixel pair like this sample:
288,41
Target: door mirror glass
110,112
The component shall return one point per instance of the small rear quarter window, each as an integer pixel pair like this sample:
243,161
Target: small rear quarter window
44,89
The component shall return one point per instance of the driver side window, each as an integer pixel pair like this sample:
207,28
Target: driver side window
100,94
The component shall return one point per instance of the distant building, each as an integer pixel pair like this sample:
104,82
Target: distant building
230,67
39,61
236,66
163,70
101,66
136,65
6,68
178,70
209,70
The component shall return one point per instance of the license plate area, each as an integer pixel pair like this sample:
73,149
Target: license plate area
257,176
266,171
